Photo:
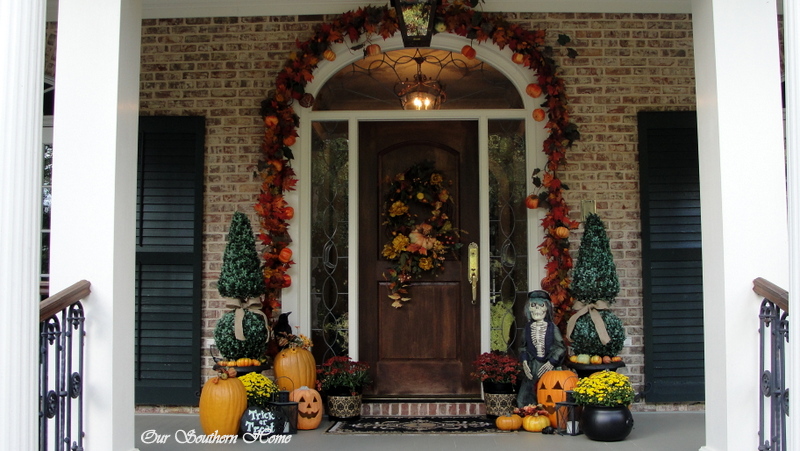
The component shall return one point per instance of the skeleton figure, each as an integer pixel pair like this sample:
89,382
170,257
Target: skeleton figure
543,347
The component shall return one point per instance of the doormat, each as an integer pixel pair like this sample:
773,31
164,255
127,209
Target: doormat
415,425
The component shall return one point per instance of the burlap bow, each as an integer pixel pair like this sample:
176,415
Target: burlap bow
252,305
592,310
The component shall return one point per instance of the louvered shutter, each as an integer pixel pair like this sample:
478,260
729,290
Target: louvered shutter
671,257
169,260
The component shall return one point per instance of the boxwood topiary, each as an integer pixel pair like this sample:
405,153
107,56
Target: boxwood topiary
586,341
255,332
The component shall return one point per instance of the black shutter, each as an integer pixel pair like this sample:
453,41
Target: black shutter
671,257
169,259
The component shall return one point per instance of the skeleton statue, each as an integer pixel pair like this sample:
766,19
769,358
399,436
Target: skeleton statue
543,347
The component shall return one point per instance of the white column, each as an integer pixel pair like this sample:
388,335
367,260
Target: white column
743,201
791,40
94,198
21,87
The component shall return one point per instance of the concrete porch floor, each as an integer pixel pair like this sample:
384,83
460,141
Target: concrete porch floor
652,431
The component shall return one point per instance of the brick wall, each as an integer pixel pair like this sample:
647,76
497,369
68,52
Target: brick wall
222,68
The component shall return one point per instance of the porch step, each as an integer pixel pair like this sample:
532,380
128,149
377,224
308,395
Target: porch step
422,408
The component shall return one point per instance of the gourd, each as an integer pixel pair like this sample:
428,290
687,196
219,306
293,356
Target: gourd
561,232
535,423
508,422
295,367
222,403
551,388
309,407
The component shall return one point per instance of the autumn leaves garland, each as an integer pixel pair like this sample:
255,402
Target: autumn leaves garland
280,126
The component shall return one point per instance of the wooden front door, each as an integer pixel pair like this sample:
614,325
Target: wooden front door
426,347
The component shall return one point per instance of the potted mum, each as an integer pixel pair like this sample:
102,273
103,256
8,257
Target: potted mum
605,397
498,373
343,380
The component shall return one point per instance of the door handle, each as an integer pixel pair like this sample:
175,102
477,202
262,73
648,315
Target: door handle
472,275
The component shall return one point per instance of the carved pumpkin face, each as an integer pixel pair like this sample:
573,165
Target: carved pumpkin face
309,407
552,387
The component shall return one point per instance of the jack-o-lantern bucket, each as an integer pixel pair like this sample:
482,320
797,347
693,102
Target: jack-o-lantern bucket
552,388
309,407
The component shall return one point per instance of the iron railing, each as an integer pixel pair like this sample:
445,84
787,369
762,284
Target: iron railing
774,402
61,344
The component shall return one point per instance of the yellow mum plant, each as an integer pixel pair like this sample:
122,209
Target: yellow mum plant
259,389
604,388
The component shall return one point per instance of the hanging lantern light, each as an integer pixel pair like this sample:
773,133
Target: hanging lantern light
422,93
415,19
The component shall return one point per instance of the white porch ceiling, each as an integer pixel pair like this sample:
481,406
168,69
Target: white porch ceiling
154,9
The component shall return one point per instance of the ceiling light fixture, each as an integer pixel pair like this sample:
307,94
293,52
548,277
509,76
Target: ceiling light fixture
422,93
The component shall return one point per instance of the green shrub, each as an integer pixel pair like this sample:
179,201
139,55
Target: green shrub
255,332
586,341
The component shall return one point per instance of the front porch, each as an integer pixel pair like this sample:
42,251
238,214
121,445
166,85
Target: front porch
653,431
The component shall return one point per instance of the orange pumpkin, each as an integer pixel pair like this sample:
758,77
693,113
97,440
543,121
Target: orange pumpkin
309,407
508,422
469,52
538,115
329,55
294,368
285,255
518,58
222,403
561,232
244,361
551,388
533,90
535,423
372,50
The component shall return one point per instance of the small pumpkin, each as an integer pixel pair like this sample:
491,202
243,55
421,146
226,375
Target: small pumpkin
372,50
329,55
538,115
223,400
508,422
309,407
518,58
244,361
285,255
535,423
294,368
532,201
552,388
561,232
469,52
533,90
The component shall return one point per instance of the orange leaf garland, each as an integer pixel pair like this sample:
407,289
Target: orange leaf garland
281,122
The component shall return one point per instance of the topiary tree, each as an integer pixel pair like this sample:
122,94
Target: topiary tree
241,278
253,346
595,275
586,341
595,285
